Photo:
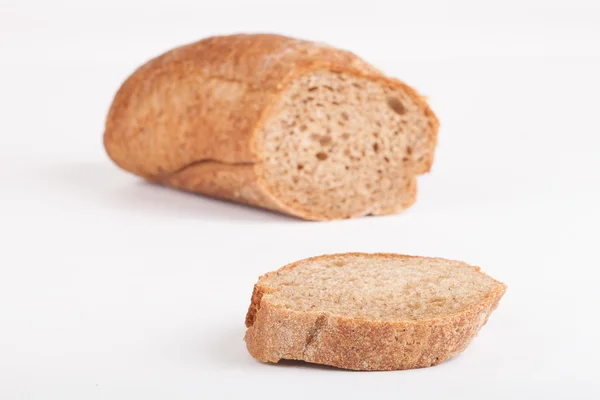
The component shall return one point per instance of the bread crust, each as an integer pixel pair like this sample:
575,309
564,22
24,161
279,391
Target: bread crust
204,103
276,333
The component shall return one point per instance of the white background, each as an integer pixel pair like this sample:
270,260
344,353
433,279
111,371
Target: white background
112,288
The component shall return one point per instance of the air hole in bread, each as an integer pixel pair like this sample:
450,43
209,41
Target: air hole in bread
322,156
396,105
325,140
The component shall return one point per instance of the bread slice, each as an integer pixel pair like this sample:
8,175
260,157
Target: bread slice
369,311
294,126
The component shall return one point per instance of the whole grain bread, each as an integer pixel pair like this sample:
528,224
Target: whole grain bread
290,125
369,311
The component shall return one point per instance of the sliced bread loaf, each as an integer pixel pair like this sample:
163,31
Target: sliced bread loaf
286,124
369,311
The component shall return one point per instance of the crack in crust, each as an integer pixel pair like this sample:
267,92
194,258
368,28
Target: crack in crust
314,333
167,175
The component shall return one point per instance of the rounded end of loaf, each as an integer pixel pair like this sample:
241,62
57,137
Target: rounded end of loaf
337,145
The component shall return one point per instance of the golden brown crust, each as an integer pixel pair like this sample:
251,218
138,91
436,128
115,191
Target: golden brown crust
205,101
257,295
276,333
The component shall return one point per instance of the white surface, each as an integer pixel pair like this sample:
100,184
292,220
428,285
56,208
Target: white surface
111,288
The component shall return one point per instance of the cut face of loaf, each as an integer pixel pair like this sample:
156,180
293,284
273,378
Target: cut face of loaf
369,311
275,122
341,146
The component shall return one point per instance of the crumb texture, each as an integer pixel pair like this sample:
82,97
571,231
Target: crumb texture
379,288
369,312
344,146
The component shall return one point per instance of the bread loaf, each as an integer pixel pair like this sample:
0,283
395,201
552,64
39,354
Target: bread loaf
369,311
293,126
